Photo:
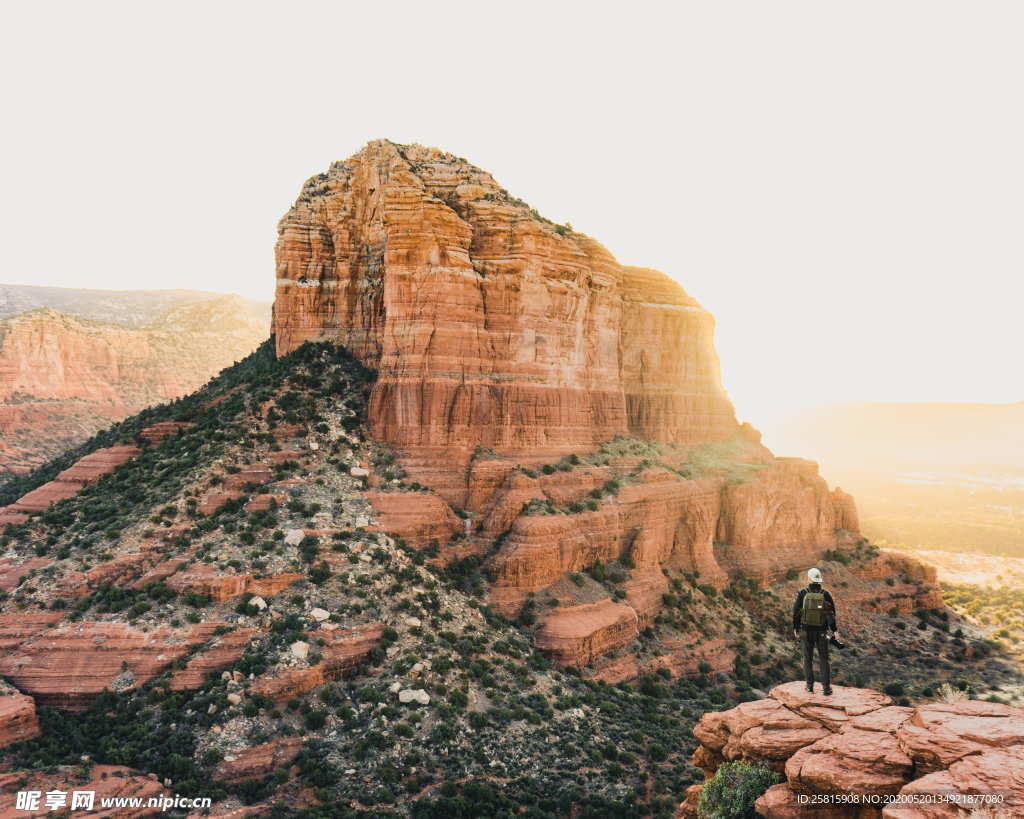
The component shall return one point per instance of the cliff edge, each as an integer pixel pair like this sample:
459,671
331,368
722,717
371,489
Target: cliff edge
856,754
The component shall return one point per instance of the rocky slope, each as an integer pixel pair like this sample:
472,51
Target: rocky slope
938,759
63,376
222,606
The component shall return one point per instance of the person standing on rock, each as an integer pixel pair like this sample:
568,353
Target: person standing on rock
814,614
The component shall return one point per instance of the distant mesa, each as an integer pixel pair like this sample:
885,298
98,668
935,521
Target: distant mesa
74,361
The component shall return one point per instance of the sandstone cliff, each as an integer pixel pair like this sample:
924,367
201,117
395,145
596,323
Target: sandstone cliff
489,325
63,377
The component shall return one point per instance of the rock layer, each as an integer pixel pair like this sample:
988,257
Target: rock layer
258,761
68,667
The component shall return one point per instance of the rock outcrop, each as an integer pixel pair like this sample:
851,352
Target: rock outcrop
344,651
857,742
63,377
104,781
577,635
258,761
18,720
86,470
204,579
68,483
224,651
69,666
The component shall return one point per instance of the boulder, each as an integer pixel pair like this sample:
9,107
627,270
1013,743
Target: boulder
416,695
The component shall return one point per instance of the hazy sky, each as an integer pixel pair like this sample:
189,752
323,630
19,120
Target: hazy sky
842,184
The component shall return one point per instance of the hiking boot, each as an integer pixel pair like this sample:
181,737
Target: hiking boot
827,691
810,688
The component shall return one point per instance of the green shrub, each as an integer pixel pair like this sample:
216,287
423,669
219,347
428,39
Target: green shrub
732,791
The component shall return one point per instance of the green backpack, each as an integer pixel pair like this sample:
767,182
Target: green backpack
814,609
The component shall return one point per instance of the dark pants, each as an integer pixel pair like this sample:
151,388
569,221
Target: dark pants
815,638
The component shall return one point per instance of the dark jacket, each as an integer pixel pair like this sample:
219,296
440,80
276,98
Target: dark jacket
830,608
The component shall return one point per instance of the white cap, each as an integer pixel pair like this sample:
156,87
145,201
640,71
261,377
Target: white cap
814,575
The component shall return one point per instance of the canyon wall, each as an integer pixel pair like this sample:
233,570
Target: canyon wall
63,377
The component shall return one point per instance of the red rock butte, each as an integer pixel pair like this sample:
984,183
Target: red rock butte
489,325
503,343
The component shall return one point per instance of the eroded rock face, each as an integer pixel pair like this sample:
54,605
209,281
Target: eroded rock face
86,470
68,483
12,571
940,734
858,742
783,516
997,774
206,579
489,326
417,517
225,651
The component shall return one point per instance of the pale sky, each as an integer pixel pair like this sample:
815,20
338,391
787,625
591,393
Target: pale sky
841,184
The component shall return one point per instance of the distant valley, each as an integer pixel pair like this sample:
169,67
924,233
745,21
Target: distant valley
926,476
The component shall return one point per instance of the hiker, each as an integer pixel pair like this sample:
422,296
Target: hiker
814,616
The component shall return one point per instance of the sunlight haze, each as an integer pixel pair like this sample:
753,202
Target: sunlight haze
839,184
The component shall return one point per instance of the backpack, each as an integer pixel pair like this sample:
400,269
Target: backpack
813,613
